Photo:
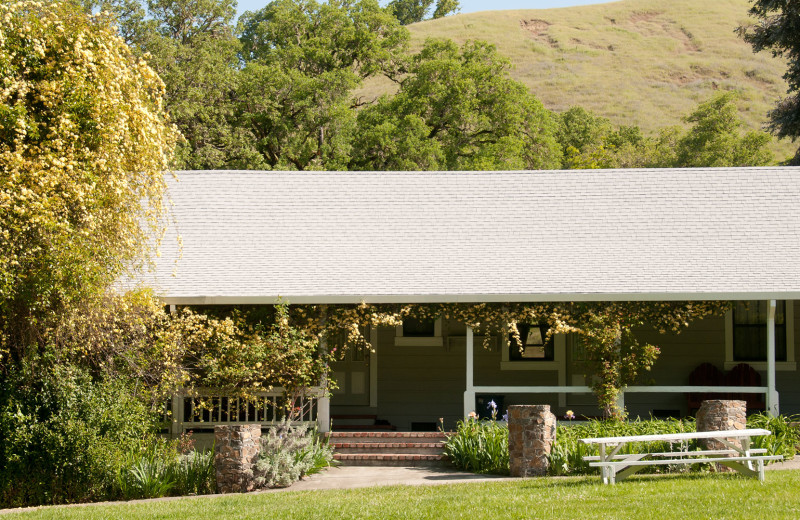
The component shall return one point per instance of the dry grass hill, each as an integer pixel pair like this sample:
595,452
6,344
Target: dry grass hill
642,62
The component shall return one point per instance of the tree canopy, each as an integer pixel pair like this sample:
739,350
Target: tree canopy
413,11
778,30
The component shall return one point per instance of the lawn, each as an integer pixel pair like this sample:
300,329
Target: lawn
647,497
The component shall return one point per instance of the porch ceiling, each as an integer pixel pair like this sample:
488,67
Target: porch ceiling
389,237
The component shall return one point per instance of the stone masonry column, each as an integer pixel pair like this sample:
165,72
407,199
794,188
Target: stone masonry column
531,432
721,414
236,449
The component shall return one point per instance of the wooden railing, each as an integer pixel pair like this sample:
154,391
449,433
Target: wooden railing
201,412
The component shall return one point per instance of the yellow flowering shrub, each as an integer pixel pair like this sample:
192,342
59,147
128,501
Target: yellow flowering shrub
84,143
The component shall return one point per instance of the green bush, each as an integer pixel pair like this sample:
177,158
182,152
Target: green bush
288,453
784,439
63,435
566,456
480,446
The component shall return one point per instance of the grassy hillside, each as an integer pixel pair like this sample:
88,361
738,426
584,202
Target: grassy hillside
643,62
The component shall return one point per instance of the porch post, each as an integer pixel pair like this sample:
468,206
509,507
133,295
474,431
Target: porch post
324,401
469,393
772,394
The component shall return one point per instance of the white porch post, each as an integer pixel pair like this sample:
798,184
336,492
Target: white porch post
469,393
324,402
772,394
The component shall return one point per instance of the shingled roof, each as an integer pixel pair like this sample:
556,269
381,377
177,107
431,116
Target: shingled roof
344,237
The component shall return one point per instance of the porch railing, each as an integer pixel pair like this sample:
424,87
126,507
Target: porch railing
469,395
201,412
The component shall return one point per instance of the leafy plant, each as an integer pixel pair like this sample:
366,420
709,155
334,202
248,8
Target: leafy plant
194,473
480,446
147,476
566,456
785,437
161,471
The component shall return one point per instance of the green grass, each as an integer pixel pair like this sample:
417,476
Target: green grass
715,496
641,62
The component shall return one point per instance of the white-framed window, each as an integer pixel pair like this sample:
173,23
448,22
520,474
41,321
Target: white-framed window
746,335
419,333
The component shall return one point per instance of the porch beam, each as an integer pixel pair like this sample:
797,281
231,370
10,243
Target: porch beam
772,394
469,392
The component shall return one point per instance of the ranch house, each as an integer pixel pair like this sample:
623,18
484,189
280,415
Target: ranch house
727,234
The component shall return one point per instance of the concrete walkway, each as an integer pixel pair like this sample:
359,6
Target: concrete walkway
367,476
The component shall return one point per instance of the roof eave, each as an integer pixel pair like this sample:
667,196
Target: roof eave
342,299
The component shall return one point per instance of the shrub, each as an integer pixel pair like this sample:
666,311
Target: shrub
480,446
288,453
784,439
63,435
566,457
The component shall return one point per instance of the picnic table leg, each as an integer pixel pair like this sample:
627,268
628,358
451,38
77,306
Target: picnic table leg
760,470
603,469
746,451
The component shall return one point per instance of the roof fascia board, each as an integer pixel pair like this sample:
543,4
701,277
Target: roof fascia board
475,298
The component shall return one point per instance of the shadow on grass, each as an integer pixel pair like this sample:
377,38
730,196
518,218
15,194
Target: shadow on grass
594,480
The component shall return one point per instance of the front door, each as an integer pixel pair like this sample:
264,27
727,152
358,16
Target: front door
351,375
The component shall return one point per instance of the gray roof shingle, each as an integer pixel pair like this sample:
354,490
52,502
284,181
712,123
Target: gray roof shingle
344,237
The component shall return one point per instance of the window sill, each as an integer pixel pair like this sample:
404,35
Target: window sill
781,366
405,341
529,365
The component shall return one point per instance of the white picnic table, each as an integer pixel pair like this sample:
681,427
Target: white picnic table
738,455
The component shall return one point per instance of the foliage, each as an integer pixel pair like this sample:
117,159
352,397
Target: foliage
159,470
785,438
288,453
479,446
615,358
456,110
413,11
64,434
714,139
303,59
777,31
566,456
83,134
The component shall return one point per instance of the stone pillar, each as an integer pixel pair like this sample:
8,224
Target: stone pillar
236,449
531,432
721,414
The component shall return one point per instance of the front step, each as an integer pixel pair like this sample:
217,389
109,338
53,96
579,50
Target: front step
359,422
389,448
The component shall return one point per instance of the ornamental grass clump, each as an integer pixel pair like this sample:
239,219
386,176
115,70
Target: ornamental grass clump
288,453
162,471
480,446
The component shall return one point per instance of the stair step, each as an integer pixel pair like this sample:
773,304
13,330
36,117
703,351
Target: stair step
361,427
387,436
413,448
390,459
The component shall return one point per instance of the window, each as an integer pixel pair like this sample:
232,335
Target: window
537,353
419,333
746,335
414,328
536,346
750,331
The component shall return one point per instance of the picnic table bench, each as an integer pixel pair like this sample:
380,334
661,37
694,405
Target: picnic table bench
737,455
